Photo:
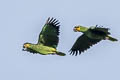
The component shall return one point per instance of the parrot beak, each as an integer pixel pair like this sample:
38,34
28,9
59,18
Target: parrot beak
24,49
76,29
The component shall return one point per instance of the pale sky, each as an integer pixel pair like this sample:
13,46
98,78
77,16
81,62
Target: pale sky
22,21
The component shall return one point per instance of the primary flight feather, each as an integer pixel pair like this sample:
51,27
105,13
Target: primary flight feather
48,39
90,36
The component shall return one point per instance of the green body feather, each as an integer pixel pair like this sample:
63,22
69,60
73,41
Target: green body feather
41,49
44,50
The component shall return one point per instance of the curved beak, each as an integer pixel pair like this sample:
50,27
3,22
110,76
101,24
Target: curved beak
75,29
24,49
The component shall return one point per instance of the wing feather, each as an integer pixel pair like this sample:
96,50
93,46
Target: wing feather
100,30
50,32
82,43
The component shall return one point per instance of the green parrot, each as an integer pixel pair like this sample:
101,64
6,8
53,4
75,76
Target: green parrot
48,40
90,36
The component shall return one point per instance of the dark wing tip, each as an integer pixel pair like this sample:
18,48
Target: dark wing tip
97,26
74,52
82,44
53,22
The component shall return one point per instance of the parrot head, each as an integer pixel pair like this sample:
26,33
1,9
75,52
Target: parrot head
79,29
27,47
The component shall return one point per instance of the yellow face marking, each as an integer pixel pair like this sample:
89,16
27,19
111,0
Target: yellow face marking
26,45
77,29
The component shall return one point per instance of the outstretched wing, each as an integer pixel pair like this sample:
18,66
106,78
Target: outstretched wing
100,30
82,43
49,34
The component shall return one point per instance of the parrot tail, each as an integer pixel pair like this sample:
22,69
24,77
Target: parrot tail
111,38
60,53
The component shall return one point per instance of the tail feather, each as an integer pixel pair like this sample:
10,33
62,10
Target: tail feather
111,38
60,53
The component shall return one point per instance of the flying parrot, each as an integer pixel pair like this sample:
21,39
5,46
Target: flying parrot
90,37
48,40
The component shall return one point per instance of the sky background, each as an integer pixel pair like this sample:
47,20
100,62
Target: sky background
22,20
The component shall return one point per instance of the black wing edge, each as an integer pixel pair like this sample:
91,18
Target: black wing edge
53,22
75,52
100,30
102,27
79,51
